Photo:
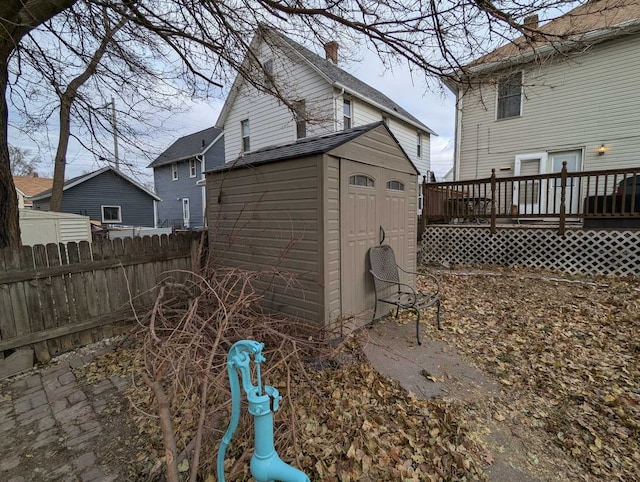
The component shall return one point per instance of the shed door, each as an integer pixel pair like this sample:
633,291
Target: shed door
371,197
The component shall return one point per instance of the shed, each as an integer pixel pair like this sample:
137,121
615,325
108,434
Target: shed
313,208
43,227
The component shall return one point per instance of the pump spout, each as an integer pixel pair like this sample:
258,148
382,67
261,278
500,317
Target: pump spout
273,468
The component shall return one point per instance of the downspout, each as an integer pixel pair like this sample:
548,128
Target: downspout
458,137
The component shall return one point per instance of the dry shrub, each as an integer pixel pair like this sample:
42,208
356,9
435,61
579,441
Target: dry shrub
185,341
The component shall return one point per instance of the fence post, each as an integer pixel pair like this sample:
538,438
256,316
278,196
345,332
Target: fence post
563,191
423,219
493,201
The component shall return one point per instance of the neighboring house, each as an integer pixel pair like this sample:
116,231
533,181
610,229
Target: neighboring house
176,172
105,195
29,186
322,99
526,109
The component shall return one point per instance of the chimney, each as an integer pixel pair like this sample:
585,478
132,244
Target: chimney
331,51
531,21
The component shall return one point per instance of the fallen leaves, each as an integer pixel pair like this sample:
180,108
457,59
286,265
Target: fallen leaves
567,356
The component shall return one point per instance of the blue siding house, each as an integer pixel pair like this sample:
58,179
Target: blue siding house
176,172
105,195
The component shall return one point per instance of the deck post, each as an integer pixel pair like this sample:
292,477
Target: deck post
563,193
493,201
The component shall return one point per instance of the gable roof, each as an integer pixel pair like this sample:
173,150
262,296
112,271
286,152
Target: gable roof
305,147
85,177
30,186
592,22
335,76
188,146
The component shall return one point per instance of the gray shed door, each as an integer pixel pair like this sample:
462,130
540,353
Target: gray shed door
370,197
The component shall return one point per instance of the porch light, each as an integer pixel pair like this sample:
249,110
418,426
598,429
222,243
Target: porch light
601,150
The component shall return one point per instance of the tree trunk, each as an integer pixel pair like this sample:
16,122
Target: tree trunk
60,162
9,226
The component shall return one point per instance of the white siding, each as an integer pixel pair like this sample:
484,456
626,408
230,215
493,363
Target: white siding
270,121
580,103
363,113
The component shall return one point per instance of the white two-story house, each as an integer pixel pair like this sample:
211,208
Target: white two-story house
571,96
313,97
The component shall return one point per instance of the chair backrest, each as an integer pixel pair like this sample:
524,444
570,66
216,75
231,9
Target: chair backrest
383,264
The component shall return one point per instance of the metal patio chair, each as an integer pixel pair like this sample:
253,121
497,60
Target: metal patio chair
389,289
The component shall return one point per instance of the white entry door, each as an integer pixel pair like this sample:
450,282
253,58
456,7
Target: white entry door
186,212
572,194
530,196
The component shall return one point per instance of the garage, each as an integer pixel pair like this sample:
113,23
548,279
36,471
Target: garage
313,208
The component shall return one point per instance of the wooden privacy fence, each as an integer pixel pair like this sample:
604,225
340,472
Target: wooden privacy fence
60,296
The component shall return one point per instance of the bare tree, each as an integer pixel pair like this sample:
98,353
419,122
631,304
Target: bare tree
211,38
22,162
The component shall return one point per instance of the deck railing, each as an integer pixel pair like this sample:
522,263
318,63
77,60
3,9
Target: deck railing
558,197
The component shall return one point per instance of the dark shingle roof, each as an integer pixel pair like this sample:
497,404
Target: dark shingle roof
187,146
339,76
300,148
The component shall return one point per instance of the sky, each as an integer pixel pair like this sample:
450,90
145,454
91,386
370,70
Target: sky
434,109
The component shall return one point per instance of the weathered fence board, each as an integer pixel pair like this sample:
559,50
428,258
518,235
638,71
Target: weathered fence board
56,297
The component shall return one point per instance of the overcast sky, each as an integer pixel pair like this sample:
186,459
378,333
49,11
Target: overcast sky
435,109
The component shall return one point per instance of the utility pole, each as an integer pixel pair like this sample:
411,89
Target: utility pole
115,134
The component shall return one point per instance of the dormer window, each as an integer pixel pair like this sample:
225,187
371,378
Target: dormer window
510,96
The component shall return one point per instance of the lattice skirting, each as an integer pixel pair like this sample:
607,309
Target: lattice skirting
577,252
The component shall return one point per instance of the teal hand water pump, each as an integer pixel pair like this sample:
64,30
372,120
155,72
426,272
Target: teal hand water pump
265,465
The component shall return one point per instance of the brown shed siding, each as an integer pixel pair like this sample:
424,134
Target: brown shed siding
331,210
269,215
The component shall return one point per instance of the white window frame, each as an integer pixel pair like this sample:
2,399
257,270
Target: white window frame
268,73
419,145
174,171
111,221
345,117
243,148
521,72
300,118
193,170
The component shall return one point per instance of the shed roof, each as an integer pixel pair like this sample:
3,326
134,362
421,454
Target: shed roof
188,146
591,22
305,147
85,177
335,76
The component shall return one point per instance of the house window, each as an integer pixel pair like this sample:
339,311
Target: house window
268,74
174,171
346,112
360,180
111,214
299,113
418,144
510,96
244,129
192,168
395,186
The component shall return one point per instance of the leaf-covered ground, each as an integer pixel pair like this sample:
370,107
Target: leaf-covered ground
568,355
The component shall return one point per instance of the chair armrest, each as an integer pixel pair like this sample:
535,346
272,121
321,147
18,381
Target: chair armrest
413,291
426,275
